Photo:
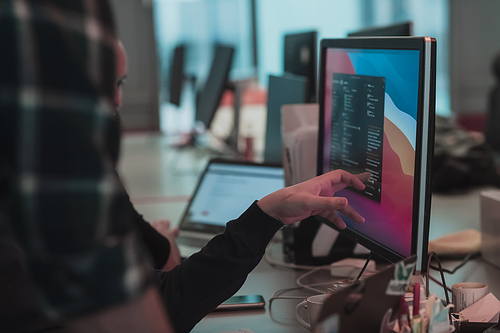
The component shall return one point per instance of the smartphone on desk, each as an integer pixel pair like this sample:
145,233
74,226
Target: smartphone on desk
245,302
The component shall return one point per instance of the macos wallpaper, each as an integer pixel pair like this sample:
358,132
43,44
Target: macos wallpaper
377,99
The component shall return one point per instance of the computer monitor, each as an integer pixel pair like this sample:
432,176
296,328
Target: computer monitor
217,82
177,75
300,58
377,106
285,89
397,29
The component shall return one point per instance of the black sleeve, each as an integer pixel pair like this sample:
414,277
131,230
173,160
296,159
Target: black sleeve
206,279
157,245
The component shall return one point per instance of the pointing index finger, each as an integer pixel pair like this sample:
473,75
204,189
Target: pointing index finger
347,179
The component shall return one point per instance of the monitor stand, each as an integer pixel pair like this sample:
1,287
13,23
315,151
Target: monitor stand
298,245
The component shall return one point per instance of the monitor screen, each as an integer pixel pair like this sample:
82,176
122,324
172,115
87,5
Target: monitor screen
226,189
376,115
300,58
398,29
285,89
209,98
177,75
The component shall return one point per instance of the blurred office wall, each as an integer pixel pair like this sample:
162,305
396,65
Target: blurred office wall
475,41
134,24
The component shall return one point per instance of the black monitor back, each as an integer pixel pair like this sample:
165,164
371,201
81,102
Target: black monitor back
210,97
286,89
398,29
177,75
300,58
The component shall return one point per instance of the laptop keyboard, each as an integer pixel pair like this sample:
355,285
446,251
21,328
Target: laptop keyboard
192,241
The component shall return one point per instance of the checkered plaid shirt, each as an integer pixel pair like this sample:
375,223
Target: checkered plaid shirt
57,176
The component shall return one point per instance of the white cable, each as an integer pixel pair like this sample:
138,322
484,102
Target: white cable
335,284
311,286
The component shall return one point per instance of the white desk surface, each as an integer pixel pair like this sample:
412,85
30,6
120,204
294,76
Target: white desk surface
160,180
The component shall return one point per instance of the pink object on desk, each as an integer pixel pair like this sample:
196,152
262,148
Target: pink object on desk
416,299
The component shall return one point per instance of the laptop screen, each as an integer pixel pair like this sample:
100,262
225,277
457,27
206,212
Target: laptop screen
226,190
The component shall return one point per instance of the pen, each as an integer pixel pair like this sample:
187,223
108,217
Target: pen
404,325
416,322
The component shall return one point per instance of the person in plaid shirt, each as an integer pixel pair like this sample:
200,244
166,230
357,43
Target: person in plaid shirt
59,185
64,215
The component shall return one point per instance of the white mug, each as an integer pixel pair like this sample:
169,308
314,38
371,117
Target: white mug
313,305
466,293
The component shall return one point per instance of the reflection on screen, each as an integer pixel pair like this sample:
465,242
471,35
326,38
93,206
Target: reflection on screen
370,107
228,190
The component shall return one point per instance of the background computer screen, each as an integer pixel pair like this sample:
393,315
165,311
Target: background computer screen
209,98
285,89
371,119
176,75
300,58
397,29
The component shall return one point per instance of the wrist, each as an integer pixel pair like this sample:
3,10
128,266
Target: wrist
266,205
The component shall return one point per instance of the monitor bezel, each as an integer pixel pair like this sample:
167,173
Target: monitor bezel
424,142
401,28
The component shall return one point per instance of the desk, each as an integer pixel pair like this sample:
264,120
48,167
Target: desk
451,213
160,179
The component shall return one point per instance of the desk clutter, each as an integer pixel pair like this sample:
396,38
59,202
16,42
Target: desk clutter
390,301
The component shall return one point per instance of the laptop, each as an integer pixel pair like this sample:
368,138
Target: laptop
224,191
369,305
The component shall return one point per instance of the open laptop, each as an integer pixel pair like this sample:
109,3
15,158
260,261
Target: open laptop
224,191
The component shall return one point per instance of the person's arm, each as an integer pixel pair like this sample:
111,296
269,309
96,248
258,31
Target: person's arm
209,277
164,228
159,245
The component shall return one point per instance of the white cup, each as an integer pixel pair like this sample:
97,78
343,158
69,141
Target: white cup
313,305
467,293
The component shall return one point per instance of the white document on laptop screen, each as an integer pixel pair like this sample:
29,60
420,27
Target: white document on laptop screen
228,190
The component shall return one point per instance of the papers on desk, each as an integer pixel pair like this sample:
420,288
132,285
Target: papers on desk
483,311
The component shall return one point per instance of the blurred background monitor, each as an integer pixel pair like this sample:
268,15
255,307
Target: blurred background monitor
285,89
300,58
177,75
398,29
218,81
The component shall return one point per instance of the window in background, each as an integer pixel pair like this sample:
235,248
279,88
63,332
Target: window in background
430,18
199,25
335,18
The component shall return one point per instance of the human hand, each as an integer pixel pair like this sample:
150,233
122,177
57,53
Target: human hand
163,227
315,197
